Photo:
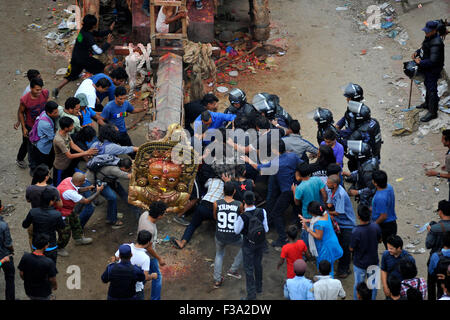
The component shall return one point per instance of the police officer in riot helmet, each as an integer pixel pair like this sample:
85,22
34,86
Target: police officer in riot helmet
239,105
353,92
324,119
269,106
361,178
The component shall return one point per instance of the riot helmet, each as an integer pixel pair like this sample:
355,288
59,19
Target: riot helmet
411,70
353,92
323,116
359,149
265,103
236,95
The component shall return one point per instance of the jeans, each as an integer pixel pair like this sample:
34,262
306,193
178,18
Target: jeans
273,191
252,258
276,215
156,283
220,252
88,209
344,240
360,276
9,271
109,194
204,211
431,85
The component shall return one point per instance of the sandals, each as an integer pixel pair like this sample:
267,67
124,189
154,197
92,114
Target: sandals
119,224
174,242
218,284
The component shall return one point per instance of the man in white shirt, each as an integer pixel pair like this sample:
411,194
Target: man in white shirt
89,88
140,259
327,288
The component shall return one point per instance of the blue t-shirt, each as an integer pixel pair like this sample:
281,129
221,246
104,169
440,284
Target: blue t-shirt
384,202
308,191
116,114
343,206
391,264
338,152
110,92
87,113
364,242
284,167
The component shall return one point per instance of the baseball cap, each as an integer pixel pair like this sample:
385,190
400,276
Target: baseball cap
83,99
125,251
444,206
430,26
299,267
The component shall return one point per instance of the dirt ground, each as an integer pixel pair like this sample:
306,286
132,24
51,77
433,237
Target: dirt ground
323,55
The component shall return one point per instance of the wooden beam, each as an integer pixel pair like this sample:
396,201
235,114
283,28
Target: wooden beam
167,3
169,36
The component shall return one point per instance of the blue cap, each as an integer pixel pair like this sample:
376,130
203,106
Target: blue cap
430,26
125,251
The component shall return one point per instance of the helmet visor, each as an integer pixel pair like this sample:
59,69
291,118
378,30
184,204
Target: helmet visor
260,103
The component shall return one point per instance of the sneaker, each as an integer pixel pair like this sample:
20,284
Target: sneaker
218,284
55,93
181,220
234,274
83,241
21,164
62,252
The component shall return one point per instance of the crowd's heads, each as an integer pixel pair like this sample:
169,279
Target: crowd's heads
294,125
157,209
333,168
102,85
315,208
237,97
47,196
364,213
40,174
325,267
241,170
36,82
300,267
119,76
363,292
249,198
66,123
210,101
394,284
444,207
109,133
125,252
125,164
120,95
71,104
333,181
302,171
394,243
87,133
380,179
325,156
329,137
32,73
78,179
89,22
82,98
51,108
229,189
206,117
292,232
446,138
408,269
353,92
262,123
40,240
144,237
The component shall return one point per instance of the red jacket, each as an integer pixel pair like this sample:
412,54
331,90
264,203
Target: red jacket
68,205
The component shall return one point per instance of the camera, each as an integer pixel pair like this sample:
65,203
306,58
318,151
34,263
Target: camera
100,183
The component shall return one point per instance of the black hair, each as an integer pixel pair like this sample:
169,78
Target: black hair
103,82
395,241
329,135
364,213
32,73
40,173
108,132
394,284
120,91
333,168
292,231
125,163
446,240
240,170
303,169
119,74
324,267
40,240
249,198
71,103
89,22
315,208
408,269
87,133
46,196
206,116
242,123
228,188
144,237
50,106
326,156
281,146
65,122
157,208
262,123
414,295
446,134
209,98
364,292
36,82
380,178
294,125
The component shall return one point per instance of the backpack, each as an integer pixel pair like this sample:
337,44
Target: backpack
33,134
414,292
102,160
442,265
256,233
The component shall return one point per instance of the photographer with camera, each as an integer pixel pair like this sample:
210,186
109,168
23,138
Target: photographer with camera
108,177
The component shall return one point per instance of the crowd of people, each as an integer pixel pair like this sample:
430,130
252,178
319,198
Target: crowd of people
257,173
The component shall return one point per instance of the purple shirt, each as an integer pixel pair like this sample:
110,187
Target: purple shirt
338,151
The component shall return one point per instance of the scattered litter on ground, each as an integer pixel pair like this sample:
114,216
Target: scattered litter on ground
397,57
431,165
